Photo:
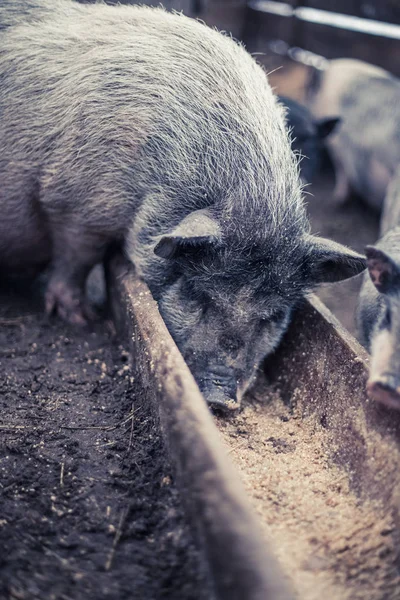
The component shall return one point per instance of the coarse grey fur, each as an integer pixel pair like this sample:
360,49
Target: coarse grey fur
366,146
378,314
133,125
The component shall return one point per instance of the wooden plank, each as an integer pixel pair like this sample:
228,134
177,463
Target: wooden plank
349,7
241,565
262,28
332,42
385,10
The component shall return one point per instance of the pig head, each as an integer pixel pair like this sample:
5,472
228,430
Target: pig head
379,318
228,299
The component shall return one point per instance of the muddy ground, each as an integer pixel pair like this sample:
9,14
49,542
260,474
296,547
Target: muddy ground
89,507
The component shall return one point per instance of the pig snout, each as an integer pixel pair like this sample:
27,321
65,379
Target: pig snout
385,389
384,382
219,387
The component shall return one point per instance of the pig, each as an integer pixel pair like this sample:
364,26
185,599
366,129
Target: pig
379,304
129,125
307,135
365,148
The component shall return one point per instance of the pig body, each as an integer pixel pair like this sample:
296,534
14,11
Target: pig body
365,148
379,305
131,125
307,135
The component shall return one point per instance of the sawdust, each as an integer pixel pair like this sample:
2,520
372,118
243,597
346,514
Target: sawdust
329,542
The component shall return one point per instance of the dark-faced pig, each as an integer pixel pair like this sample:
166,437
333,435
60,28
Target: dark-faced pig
379,306
365,148
307,135
133,125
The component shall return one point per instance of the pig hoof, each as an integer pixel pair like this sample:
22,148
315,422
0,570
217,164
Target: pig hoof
68,304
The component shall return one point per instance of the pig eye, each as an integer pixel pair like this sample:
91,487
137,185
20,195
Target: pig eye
231,344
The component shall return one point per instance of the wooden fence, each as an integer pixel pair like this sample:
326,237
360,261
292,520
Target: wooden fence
367,30
364,29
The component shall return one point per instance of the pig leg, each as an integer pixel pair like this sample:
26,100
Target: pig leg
75,252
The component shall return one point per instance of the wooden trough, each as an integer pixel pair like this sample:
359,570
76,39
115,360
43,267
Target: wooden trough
321,370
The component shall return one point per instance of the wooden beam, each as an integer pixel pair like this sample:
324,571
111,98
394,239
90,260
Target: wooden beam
239,560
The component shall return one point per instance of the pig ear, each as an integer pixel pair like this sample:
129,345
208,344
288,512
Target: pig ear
329,261
383,270
196,232
326,126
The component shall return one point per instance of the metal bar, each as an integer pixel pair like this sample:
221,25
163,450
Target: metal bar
329,18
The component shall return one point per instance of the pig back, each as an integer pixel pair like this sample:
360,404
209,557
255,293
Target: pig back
119,105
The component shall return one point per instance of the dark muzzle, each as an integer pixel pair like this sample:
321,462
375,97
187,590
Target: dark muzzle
220,391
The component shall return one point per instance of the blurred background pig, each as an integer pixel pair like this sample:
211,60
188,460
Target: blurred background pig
365,149
131,125
379,308
307,136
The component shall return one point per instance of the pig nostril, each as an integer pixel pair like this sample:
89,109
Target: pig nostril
217,382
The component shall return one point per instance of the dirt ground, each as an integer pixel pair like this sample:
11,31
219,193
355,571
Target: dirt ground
329,542
89,506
